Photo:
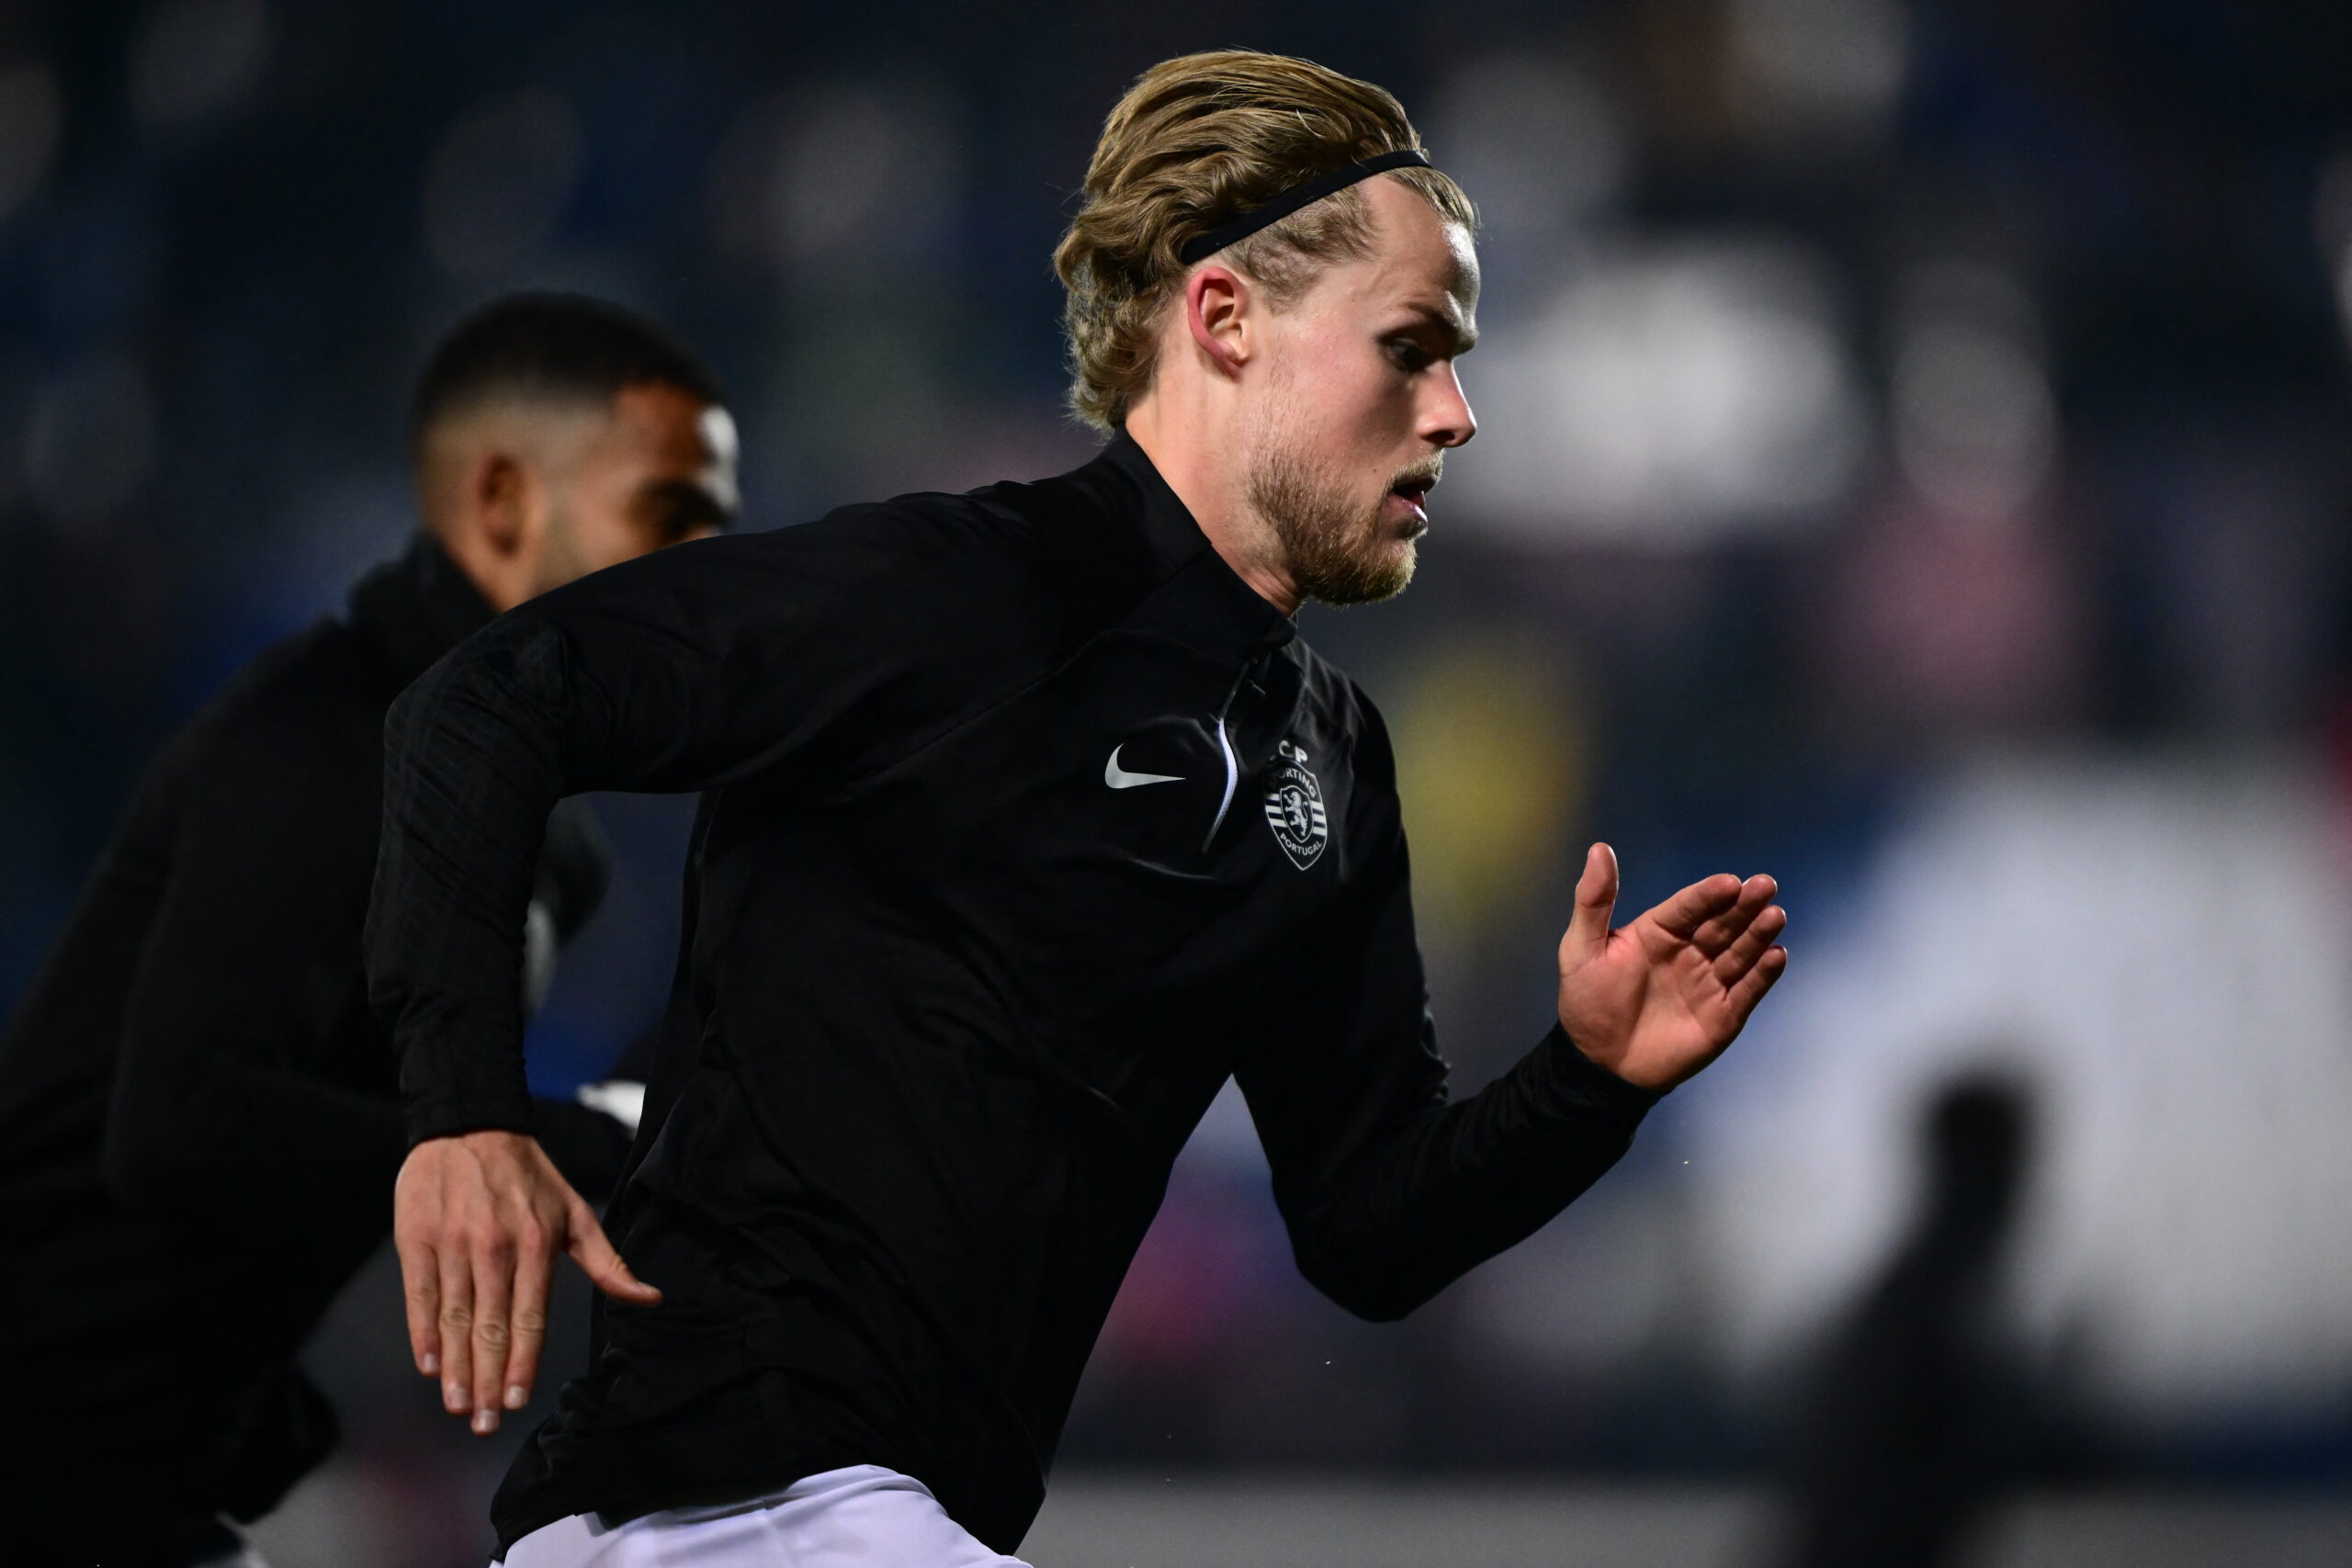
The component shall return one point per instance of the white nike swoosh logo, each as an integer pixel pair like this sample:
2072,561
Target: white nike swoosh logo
1119,778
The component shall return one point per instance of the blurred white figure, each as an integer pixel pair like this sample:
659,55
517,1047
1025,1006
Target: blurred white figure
2165,943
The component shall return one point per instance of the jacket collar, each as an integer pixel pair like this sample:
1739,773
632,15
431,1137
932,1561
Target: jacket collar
417,608
1130,487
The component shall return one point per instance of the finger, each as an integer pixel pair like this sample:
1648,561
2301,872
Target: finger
494,1265
533,1263
1716,935
421,1288
456,1322
1596,901
1743,997
606,1267
1683,914
1751,943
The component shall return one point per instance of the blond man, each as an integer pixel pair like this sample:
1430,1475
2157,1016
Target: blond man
1031,822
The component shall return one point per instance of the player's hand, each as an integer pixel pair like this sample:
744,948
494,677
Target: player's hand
478,1220
1658,999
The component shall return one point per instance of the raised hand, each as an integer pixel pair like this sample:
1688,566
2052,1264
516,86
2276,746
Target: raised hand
478,1221
1658,999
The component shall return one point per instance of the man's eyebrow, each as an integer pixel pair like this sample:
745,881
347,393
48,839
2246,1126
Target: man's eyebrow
1458,333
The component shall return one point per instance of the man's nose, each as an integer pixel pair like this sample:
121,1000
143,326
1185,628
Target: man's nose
1447,420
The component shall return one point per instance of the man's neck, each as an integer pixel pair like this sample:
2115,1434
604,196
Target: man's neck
500,581
1206,477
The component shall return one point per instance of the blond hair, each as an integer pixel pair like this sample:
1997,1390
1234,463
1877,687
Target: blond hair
1196,143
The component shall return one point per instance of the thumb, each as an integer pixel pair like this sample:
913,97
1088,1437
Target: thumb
1596,900
606,1267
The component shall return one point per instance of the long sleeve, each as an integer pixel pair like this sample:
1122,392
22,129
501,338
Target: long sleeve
1390,1189
249,1079
696,666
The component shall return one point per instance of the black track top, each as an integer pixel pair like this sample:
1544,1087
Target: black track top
1029,824
199,1115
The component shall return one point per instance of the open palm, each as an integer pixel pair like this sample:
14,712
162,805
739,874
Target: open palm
1656,1000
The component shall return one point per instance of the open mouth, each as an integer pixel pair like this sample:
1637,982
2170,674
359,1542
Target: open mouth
1413,491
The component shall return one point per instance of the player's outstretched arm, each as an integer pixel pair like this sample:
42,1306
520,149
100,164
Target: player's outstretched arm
478,1220
1391,1188
1657,1001
701,665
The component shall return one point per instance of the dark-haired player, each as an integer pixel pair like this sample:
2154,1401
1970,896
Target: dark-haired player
199,1125
1031,822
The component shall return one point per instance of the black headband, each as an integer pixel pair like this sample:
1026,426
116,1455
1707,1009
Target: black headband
1291,200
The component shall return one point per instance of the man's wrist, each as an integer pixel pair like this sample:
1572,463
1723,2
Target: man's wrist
1593,1083
433,1118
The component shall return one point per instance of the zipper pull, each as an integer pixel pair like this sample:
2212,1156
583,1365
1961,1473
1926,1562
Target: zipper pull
1225,744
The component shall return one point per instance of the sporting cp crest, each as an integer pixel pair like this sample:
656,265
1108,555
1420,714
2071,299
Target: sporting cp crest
1295,807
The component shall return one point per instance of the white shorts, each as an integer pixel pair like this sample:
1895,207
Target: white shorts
865,1517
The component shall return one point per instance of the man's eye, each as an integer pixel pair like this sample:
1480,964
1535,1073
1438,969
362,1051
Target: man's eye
675,512
1409,355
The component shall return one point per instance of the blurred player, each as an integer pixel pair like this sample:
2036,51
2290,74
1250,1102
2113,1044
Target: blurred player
199,1125
1031,822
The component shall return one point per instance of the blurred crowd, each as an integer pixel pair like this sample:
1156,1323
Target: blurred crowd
1916,462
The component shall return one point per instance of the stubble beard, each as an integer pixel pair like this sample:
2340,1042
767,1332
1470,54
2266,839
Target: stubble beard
1337,553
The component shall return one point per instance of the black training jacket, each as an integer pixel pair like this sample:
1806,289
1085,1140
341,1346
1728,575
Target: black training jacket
1029,824
199,1120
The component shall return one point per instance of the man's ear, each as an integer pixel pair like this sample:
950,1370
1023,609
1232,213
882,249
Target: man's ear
1216,309
499,494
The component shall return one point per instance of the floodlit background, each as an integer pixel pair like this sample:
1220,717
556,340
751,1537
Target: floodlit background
1916,462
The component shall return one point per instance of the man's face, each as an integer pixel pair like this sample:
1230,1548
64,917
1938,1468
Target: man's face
659,468
1361,402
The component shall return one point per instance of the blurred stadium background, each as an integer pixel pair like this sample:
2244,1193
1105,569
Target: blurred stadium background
1917,461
